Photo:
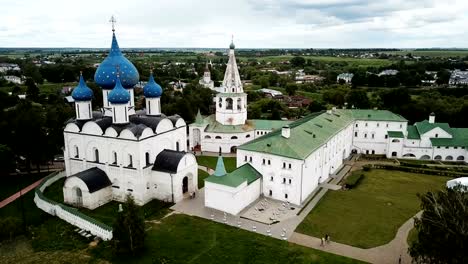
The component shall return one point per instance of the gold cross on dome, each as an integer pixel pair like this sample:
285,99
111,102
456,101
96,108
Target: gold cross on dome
113,21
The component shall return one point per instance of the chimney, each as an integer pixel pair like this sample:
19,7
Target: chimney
286,131
432,118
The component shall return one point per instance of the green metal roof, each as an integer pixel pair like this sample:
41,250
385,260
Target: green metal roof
412,132
235,178
459,139
395,134
220,169
307,134
376,115
262,124
215,127
199,119
425,126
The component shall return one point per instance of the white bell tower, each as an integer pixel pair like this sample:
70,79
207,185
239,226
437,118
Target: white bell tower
231,102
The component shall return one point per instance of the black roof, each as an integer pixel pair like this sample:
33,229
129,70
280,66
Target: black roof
95,178
168,160
174,118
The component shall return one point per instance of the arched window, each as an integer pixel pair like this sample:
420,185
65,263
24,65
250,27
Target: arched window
233,137
130,161
77,152
245,158
96,155
460,158
284,165
114,157
239,104
436,135
438,157
395,140
147,158
220,102
217,137
248,135
207,137
449,158
425,157
409,155
177,145
229,103
285,196
250,159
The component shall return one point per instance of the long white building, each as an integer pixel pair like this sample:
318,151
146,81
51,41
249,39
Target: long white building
119,151
290,163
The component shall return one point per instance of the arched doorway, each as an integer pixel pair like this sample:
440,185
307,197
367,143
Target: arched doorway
394,154
78,197
233,149
185,184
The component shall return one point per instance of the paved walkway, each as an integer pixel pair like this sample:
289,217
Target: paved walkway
388,253
214,154
18,194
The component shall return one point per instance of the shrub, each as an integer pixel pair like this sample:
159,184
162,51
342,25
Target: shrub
366,168
353,180
10,227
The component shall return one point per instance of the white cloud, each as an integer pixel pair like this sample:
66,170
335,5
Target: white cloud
254,23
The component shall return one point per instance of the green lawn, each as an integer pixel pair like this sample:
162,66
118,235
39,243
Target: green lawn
201,178
185,239
370,214
210,162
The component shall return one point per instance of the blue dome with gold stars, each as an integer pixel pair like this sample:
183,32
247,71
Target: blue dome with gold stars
152,89
82,92
118,95
106,73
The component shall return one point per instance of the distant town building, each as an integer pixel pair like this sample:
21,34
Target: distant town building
297,101
206,80
13,79
347,77
458,77
301,77
270,92
178,86
388,72
4,67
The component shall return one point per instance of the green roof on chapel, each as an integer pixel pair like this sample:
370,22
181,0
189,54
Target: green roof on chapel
395,134
235,178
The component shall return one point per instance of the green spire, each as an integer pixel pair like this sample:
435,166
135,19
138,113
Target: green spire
199,118
220,169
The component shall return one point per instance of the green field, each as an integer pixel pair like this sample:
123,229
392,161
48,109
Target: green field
353,62
433,53
370,214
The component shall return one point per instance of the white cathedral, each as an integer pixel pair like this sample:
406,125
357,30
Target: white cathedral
120,151
229,127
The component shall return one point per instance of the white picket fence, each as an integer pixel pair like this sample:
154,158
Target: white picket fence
69,214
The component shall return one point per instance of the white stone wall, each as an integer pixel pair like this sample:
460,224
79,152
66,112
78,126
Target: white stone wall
369,137
58,210
229,199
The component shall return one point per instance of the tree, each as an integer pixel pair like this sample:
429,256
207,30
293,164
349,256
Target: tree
129,229
32,90
442,228
298,61
291,88
443,77
358,98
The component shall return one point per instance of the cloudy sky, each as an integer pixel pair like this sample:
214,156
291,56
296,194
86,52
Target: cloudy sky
254,23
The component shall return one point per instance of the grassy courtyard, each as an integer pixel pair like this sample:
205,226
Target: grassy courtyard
210,162
202,175
185,239
370,214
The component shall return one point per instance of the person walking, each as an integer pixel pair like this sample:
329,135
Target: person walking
327,238
322,241
399,260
